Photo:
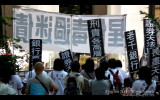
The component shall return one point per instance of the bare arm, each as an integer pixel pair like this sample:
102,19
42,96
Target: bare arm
53,85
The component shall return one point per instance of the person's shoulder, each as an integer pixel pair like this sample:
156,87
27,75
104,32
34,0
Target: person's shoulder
138,81
16,76
154,82
80,76
48,77
44,72
64,72
11,91
112,69
121,69
49,73
82,72
65,76
30,79
27,73
107,71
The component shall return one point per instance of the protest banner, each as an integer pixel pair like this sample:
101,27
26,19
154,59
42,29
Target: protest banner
95,38
132,52
66,56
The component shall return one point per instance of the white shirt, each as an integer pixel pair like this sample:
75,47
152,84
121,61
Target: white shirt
140,85
6,89
32,75
58,78
111,77
15,82
125,74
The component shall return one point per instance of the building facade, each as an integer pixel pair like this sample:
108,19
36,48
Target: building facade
130,12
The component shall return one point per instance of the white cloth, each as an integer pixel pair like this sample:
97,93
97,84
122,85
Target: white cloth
58,78
111,77
15,82
140,85
125,74
6,89
33,74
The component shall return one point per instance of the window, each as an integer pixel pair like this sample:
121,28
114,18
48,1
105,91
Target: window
76,9
155,10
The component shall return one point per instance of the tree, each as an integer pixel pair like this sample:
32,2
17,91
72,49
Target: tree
7,60
154,20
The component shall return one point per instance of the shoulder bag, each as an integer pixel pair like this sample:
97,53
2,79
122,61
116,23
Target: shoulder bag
42,84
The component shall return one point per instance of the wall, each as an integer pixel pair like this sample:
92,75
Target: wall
48,8
99,9
133,22
7,12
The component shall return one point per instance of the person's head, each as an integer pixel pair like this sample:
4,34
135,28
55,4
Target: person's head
58,64
112,63
75,66
144,60
100,73
104,65
127,82
39,67
89,65
119,63
35,61
83,66
145,74
5,75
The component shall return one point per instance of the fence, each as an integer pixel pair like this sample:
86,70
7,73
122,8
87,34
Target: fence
23,73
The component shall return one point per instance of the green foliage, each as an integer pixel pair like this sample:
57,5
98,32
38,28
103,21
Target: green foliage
70,9
154,20
8,61
5,19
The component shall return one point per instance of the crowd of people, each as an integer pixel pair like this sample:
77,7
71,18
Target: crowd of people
108,78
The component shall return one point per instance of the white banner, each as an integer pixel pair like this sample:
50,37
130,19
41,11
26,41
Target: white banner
60,32
113,28
52,28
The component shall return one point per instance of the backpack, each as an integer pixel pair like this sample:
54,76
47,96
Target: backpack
117,85
72,86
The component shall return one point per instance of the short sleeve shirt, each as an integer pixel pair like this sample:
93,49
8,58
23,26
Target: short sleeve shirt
46,80
140,85
58,78
6,89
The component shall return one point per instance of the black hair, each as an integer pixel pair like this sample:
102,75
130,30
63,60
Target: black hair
100,73
104,65
127,82
89,65
83,66
112,63
58,64
119,63
145,74
75,66
5,75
